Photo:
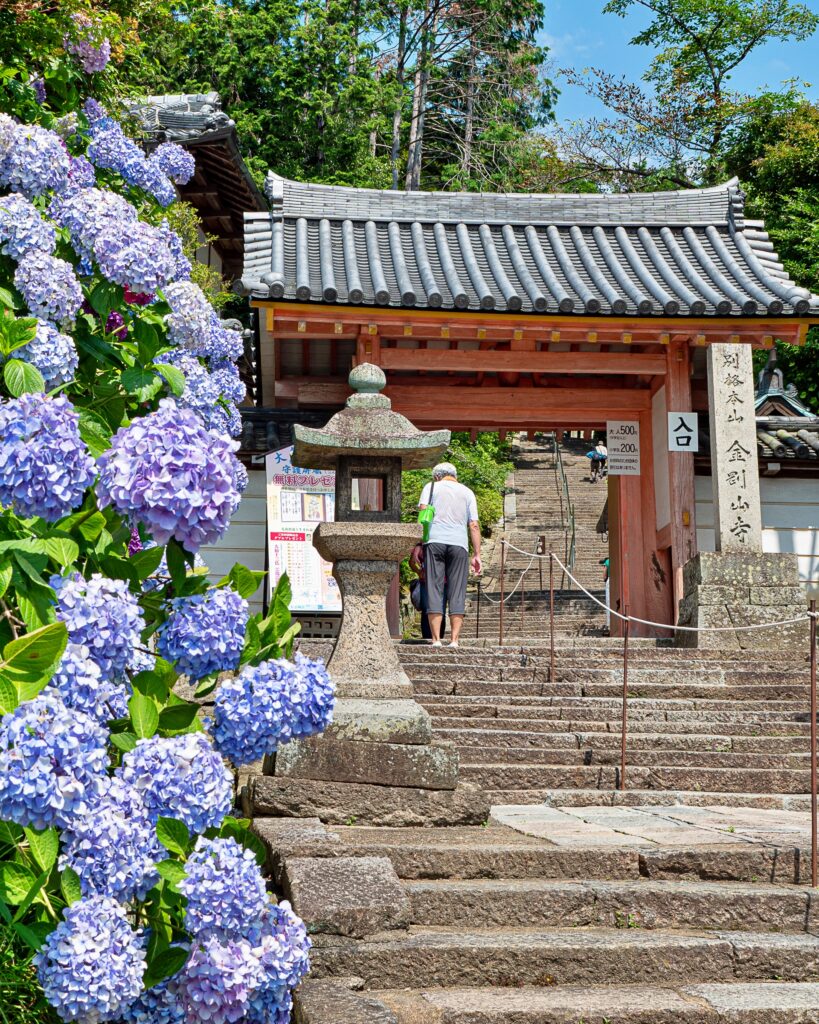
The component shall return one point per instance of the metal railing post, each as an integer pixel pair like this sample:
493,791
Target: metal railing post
478,615
502,588
814,859
523,599
624,719
551,618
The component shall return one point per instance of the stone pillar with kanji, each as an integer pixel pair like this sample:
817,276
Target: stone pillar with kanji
738,584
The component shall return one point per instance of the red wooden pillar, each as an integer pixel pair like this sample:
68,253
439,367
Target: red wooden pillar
680,471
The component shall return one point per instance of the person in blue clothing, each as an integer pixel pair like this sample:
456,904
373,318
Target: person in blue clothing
446,554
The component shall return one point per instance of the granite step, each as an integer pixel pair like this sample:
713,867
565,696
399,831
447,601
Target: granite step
738,1002
465,738
610,755
530,956
511,718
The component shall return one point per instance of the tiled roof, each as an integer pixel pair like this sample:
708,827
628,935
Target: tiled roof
180,117
667,253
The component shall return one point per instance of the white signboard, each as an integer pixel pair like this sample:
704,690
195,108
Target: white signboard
297,501
623,442
683,434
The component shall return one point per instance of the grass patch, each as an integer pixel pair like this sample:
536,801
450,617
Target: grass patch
21,998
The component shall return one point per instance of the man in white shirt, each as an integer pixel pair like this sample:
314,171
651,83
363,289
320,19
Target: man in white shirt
447,552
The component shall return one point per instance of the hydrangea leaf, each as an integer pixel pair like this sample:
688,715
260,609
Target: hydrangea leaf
70,885
89,524
172,871
243,580
7,299
178,718
174,377
63,550
22,378
16,332
173,835
124,741
147,561
5,578
144,715
33,938
31,658
143,384
9,698
35,609
95,432
44,846
164,965
16,881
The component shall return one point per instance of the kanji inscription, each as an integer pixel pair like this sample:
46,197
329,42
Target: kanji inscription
734,472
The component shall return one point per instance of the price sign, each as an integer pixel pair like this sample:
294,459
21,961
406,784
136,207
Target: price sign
623,442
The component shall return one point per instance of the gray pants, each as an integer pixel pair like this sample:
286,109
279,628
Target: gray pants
446,566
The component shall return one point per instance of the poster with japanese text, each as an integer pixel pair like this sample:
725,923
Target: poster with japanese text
297,501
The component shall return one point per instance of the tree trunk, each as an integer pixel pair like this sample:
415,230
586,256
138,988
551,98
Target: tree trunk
399,98
419,100
469,114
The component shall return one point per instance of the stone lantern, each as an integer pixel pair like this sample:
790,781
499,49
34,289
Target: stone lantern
377,762
368,445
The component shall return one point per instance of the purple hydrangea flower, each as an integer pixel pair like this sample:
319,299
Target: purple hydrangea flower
49,286
280,940
174,162
216,984
173,476
111,148
113,848
88,45
240,478
22,228
45,467
224,887
180,777
204,633
137,298
194,325
227,379
115,324
159,1005
52,763
93,110
53,353
81,173
91,965
202,393
141,259
182,265
78,680
227,420
103,615
312,698
39,87
251,714
157,184
33,160
90,212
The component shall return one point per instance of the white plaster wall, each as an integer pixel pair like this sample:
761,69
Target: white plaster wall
659,432
245,538
790,520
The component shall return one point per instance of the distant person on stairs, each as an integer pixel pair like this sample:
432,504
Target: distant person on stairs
598,457
447,552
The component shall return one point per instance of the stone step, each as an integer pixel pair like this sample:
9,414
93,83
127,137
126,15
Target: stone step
610,755
510,956
634,796
514,718
725,780
535,741
540,903
751,1002
450,684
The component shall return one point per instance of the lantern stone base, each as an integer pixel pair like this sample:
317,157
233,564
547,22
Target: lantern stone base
738,588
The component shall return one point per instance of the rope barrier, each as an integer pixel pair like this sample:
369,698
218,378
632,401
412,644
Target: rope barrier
491,600
648,622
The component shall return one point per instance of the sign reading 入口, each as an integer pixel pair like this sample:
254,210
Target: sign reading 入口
623,443
683,433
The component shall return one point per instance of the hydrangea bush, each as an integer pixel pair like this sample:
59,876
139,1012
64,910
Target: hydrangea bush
121,863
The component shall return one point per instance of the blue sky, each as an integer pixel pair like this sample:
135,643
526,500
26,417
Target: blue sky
580,35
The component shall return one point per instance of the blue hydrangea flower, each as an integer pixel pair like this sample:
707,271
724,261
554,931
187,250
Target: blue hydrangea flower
88,213
33,160
226,377
52,763
175,162
52,352
279,938
45,467
103,615
312,698
81,173
39,87
111,148
22,228
157,184
226,419
49,286
141,259
203,394
180,777
224,887
216,984
78,680
88,44
241,479
194,325
182,265
159,1005
113,848
251,714
93,110
173,476
204,633
91,965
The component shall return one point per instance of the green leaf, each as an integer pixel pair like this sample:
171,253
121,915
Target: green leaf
104,297
63,550
123,741
172,871
178,717
207,685
173,375
10,834
89,526
177,564
245,581
33,938
95,433
7,299
165,965
16,881
173,835
143,384
44,846
36,610
5,578
31,658
70,885
16,332
22,378
9,698
144,715
146,562
253,642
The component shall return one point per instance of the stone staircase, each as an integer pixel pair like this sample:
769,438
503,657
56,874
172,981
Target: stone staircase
536,508
682,899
